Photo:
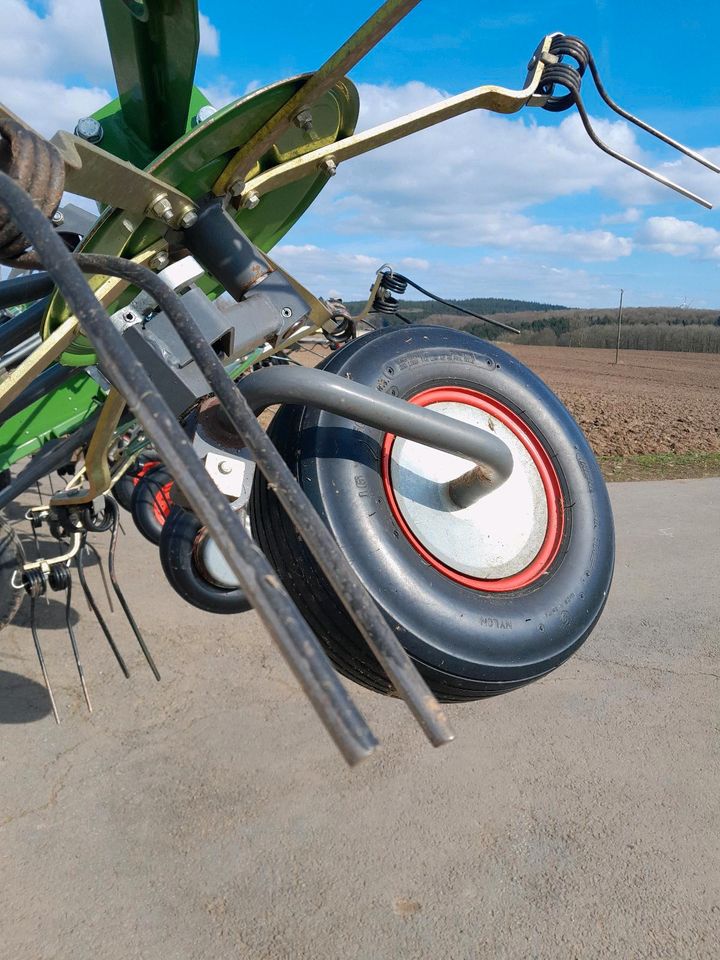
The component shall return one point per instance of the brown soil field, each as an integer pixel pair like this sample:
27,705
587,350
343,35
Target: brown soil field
650,403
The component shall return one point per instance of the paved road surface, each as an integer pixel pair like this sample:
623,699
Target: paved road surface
210,817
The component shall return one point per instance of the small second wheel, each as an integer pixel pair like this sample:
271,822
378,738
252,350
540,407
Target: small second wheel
151,502
195,568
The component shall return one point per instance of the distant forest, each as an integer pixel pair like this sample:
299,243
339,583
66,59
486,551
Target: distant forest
643,328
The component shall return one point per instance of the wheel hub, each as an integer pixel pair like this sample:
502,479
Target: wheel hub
504,539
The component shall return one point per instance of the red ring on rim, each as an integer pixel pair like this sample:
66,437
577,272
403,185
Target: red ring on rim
162,502
553,493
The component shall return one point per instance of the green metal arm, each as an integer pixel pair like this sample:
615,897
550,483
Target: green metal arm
154,47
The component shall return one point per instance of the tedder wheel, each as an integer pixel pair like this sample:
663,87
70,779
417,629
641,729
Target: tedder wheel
195,568
11,560
485,597
151,502
123,489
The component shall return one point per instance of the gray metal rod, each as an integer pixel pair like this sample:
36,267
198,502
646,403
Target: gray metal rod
319,388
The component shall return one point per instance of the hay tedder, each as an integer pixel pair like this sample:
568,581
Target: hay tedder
422,515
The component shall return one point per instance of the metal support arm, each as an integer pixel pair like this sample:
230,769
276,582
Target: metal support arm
319,388
496,99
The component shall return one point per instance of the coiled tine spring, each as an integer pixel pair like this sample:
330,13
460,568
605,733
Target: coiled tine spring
570,77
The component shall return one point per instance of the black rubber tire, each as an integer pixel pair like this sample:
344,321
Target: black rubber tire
177,541
11,560
123,488
151,497
467,643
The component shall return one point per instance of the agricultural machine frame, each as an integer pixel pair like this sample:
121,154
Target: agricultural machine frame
137,357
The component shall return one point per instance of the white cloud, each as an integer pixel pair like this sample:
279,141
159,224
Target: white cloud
680,238
223,91
209,37
48,106
350,275
69,37
631,215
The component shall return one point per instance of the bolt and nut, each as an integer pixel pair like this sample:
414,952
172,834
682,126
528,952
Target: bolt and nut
304,120
329,167
90,129
159,261
188,219
204,113
162,208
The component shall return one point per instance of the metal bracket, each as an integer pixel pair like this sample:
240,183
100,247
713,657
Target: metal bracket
496,99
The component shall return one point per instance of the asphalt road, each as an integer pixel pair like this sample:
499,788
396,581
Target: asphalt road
209,816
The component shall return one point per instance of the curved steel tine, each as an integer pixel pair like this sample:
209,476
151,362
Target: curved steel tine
118,592
41,658
631,118
665,181
98,616
73,641
103,577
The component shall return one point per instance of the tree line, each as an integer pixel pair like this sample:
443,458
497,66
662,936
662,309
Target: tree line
643,328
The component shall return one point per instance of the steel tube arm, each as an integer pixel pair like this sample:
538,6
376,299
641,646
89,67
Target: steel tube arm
318,388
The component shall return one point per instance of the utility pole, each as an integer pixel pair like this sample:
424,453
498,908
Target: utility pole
617,345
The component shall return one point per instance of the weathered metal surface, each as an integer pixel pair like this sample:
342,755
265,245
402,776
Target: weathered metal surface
193,164
303,101
494,98
154,50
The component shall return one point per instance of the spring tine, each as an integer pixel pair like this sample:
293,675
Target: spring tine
73,641
41,658
101,567
98,616
665,181
631,118
110,504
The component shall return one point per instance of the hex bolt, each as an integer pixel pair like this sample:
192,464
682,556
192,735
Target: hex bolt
251,201
224,467
188,219
159,261
329,166
304,120
236,187
162,208
90,129
58,218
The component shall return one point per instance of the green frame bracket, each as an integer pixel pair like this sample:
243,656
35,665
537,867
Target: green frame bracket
154,47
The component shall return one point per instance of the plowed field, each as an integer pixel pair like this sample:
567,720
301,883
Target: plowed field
651,402
654,414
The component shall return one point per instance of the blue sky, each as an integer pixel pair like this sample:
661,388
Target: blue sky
486,206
